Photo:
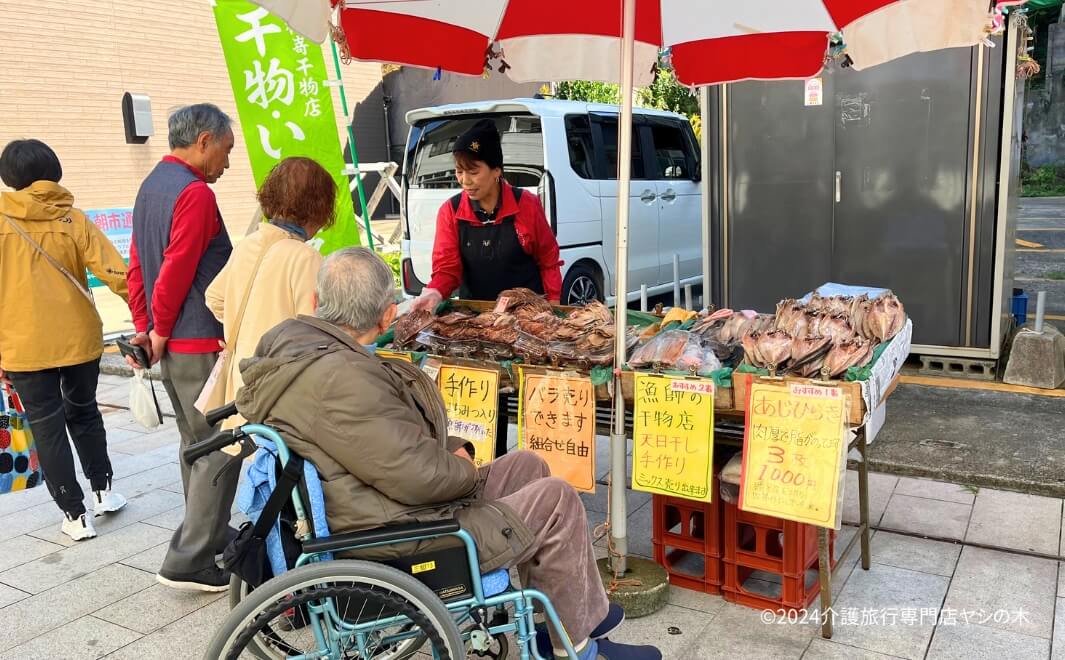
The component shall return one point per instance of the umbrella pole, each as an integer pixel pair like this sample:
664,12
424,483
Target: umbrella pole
618,478
704,189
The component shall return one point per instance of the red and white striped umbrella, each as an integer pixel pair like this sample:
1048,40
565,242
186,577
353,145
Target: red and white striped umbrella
711,42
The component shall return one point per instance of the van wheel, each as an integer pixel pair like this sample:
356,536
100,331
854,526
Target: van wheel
582,286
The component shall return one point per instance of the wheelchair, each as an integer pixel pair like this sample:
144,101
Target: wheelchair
433,604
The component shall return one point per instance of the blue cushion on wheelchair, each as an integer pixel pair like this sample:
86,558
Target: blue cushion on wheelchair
495,582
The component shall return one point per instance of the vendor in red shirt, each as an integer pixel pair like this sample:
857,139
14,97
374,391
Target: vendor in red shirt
491,236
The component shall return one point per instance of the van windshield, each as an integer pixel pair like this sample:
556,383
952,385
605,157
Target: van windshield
432,166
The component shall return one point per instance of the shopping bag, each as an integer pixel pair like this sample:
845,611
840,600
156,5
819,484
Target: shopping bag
142,401
19,468
213,394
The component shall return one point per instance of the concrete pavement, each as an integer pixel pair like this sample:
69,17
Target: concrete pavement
991,586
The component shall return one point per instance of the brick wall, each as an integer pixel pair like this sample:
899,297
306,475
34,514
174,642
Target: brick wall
66,66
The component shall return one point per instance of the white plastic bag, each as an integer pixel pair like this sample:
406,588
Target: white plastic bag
142,402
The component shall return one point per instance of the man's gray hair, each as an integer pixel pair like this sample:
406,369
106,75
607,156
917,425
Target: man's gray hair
187,123
355,289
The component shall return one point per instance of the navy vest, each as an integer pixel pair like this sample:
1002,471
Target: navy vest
153,216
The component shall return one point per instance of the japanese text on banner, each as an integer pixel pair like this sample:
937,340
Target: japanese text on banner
556,419
673,437
117,225
472,400
793,447
285,107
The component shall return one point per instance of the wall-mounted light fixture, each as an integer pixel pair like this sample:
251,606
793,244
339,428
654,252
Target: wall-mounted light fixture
137,117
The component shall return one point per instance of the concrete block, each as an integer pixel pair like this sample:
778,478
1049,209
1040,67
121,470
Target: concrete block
740,632
84,639
988,582
1037,359
1016,521
882,591
976,642
155,607
916,515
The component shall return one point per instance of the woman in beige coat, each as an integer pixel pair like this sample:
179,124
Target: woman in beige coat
271,274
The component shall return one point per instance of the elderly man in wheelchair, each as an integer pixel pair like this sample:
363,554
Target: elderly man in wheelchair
413,553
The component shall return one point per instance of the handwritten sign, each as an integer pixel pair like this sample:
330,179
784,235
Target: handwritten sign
395,355
673,436
472,400
792,449
556,419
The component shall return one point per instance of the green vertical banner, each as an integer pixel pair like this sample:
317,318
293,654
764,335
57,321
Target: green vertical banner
285,107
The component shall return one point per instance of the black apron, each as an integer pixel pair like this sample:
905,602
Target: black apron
492,257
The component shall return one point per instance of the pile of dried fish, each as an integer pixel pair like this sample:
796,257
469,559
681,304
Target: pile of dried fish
826,335
522,323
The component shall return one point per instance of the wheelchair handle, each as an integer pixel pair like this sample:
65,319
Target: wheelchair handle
218,414
198,450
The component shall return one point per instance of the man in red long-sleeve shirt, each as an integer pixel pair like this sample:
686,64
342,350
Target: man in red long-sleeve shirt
179,246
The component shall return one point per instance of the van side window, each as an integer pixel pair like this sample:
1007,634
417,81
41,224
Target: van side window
579,145
671,153
432,165
609,126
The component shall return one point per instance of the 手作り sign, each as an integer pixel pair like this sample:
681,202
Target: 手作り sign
471,397
556,419
673,436
793,447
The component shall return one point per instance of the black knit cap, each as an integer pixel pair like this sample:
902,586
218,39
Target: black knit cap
482,143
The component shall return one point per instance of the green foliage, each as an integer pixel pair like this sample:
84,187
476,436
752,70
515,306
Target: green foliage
394,259
587,91
665,93
1043,181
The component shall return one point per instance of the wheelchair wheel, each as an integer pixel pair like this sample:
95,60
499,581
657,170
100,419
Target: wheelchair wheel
344,609
262,644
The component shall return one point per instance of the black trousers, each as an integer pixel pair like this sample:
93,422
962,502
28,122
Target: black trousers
58,400
502,425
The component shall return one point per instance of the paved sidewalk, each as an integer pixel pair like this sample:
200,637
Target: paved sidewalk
995,552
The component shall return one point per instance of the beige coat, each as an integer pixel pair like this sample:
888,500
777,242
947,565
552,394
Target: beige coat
47,322
283,288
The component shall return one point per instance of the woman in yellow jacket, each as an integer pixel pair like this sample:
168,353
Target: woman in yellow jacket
51,337
271,275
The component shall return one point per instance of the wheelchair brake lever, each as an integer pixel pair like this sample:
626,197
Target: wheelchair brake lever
247,448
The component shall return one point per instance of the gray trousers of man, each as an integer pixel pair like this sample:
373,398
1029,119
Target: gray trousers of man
560,562
205,530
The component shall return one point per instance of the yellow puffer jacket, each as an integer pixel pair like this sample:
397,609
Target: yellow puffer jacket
46,322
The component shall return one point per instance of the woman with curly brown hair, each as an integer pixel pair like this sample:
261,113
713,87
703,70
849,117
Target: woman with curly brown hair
271,274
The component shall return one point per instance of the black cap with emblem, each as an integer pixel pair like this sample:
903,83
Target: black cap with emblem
481,142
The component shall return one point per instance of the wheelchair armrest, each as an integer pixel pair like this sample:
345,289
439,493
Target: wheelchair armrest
380,536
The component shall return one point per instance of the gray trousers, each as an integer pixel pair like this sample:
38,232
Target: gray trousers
205,530
560,562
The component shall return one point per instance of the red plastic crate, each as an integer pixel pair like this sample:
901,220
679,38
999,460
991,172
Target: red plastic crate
770,563
769,591
687,541
769,544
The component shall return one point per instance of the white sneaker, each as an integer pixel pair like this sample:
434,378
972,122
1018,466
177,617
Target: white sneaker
79,528
106,501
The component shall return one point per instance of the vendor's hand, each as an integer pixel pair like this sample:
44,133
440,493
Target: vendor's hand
4,379
428,301
140,339
462,453
158,346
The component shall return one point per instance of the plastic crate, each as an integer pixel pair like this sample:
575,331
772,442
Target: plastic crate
770,563
687,541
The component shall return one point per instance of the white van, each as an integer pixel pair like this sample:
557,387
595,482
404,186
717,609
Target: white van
566,152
